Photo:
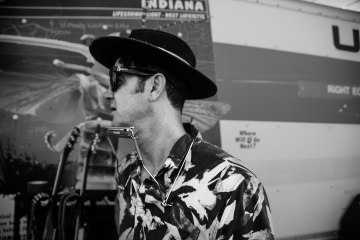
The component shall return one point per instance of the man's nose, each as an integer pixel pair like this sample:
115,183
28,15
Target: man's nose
109,95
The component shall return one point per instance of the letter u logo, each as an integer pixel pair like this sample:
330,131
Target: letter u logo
338,45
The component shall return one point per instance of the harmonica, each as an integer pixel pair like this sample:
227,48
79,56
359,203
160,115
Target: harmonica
122,132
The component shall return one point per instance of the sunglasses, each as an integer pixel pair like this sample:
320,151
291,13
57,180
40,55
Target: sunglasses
115,70
119,69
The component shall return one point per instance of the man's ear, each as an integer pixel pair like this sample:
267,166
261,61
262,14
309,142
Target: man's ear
157,86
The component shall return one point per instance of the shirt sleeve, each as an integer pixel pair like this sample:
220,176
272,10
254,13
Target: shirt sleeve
246,214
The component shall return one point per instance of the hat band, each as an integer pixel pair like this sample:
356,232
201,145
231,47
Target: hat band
173,54
163,49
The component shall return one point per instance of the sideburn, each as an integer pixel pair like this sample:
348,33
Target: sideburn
140,87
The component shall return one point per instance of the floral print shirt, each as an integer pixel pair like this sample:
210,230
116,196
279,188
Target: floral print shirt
210,195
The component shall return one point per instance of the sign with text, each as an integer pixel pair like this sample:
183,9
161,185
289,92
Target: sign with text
247,139
149,9
288,26
328,90
50,83
7,219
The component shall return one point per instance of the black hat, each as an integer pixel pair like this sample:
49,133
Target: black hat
159,47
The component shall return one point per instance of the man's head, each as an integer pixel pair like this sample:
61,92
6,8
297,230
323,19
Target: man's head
175,90
153,58
157,49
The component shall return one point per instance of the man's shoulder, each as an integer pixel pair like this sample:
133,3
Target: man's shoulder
211,156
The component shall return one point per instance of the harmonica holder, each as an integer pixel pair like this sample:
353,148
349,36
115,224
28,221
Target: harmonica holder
128,132
122,132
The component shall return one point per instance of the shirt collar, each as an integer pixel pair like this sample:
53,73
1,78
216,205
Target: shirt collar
177,152
181,146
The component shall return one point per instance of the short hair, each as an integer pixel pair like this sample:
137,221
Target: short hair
175,89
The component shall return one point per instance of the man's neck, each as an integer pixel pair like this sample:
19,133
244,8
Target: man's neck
156,141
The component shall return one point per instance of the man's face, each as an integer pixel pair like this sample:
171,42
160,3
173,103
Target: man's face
129,106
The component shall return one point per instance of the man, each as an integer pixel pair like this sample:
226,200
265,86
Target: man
177,186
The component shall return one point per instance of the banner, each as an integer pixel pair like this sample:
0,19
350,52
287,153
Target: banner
149,9
306,168
291,26
50,83
290,72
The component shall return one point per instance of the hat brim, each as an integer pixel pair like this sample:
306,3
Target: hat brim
106,50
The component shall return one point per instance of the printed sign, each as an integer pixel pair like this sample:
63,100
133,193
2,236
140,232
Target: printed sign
328,90
288,26
146,9
247,139
50,83
7,219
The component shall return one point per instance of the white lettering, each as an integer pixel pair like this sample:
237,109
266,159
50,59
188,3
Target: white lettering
188,5
153,14
149,4
199,6
178,5
163,4
171,4
192,16
121,13
356,91
337,89
171,15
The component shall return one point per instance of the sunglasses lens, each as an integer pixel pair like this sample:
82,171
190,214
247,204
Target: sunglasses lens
117,70
113,80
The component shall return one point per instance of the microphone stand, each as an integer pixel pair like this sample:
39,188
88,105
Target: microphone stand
80,227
